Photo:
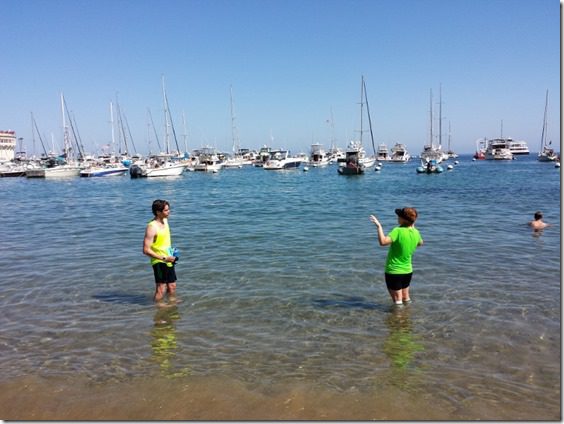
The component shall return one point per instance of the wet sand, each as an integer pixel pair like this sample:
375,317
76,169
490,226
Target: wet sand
33,398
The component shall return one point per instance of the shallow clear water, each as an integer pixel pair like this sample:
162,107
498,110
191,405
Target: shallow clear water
281,281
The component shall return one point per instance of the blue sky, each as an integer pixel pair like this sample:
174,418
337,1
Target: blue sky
290,64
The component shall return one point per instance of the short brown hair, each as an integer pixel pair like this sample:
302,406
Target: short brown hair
159,205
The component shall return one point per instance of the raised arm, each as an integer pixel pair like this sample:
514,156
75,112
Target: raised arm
382,238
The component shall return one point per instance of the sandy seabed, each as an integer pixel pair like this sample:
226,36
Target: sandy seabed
205,398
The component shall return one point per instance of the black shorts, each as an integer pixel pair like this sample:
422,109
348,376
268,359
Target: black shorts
398,281
164,273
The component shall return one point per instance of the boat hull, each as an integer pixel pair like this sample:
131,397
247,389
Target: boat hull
103,172
139,171
351,170
55,172
280,165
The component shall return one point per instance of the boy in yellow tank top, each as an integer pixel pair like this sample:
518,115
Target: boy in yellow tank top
157,245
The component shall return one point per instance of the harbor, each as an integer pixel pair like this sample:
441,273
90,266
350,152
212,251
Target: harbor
284,311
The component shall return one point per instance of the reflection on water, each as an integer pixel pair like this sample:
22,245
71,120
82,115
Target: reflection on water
401,345
164,341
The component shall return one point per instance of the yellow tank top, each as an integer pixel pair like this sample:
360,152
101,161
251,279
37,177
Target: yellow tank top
161,245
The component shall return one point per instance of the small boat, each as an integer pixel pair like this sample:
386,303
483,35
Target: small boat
429,167
353,164
281,159
481,145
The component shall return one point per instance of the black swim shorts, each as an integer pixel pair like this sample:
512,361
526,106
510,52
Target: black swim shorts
164,273
398,281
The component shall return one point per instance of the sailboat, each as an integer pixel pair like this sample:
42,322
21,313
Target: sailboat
236,161
166,164
430,151
546,153
63,166
106,166
356,160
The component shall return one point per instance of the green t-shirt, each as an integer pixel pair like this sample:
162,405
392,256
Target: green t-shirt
404,243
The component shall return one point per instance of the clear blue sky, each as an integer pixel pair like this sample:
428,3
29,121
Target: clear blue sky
290,63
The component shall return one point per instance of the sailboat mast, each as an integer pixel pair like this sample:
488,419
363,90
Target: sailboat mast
431,118
332,131
234,134
369,119
544,123
361,106
166,116
112,127
185,135
66,141
440,116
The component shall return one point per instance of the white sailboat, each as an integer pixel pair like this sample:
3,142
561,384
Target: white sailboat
236,161
546,153
62,167
356,159
431,151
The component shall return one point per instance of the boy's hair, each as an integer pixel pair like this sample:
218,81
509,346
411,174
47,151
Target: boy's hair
538,215
159,205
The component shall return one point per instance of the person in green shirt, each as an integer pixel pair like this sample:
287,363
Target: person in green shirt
403,240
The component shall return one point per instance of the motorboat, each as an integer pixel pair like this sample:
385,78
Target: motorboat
11,169
382,154
518,147
498,149
262,156
318,156
208,160
157,166
400,154
114,170
281,159
354,163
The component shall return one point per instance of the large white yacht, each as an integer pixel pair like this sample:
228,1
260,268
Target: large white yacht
281,159
498,149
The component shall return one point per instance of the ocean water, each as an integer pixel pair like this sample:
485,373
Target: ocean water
284,312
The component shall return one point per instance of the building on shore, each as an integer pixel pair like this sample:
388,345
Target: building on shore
7,145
